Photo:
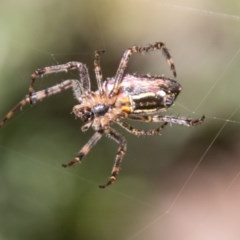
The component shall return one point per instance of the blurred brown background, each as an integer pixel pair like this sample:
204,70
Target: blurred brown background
183,184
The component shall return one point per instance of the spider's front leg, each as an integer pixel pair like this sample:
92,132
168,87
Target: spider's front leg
119,156
80,67
37,97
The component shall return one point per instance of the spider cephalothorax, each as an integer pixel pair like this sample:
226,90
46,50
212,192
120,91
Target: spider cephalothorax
137,97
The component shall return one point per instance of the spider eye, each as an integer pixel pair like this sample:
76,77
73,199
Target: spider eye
85,114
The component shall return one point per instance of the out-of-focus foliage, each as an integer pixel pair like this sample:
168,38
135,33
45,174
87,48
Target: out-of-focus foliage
39,199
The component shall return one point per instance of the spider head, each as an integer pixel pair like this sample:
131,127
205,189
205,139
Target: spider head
84,113
87,113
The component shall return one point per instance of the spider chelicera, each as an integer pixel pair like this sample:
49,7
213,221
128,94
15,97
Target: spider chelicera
124,96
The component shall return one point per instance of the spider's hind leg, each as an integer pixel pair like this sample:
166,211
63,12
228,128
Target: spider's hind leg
141,132
188,122
168,119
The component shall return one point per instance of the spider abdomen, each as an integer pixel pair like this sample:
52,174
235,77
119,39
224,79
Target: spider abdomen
147,94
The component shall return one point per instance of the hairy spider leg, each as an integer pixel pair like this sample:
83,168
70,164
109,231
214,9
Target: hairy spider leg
141,132
85,149
98,70
118,138
111,133
39,96
135,49
169,119
84,79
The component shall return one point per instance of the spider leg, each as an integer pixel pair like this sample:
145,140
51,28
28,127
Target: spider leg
188,122
140,132
120,153
135,49
85,149
98,70
80,67
37,97
179,120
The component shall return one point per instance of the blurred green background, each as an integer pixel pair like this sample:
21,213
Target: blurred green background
41,200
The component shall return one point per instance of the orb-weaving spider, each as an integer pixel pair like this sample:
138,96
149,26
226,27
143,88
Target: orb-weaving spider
140,98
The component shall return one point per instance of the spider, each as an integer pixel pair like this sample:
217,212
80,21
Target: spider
124,96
